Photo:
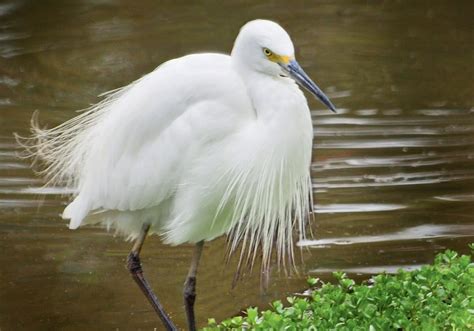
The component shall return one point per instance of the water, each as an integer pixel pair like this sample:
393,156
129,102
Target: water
393,171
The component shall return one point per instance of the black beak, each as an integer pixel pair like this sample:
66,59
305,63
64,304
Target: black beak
297,73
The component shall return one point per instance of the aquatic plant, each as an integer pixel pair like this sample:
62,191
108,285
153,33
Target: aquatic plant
436,297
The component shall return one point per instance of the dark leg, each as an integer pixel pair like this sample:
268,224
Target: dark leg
135,268
190,286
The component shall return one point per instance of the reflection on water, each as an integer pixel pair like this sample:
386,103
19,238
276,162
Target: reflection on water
391,269
427,231
355,207
457,197
393,171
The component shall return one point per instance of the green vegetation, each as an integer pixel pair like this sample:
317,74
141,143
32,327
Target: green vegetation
436,297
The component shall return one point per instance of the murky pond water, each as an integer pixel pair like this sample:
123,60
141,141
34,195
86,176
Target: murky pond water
393,172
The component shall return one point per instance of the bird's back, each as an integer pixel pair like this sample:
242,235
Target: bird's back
130,154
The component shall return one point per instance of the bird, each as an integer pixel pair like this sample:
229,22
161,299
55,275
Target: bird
203,146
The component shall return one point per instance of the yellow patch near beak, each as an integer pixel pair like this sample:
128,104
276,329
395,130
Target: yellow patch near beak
283,59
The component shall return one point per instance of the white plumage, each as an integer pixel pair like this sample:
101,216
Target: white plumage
205,145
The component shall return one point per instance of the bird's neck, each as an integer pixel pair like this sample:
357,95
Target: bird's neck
272,97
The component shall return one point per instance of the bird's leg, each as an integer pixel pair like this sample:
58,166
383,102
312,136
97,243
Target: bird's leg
135,268
190,286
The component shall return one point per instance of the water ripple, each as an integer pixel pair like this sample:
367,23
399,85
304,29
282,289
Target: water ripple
392,131
356,207
428,231
410,160
371,270
367,112
456,197
416,178
8,181
39,190
13,165
440,112
395,143
15,203
330,120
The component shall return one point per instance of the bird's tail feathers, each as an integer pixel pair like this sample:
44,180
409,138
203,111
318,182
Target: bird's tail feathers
59,153
76,211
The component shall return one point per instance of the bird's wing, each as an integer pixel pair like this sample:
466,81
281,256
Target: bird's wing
132,151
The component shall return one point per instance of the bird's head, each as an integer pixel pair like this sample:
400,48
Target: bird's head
264,46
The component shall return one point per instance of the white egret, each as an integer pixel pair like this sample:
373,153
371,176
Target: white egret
205,145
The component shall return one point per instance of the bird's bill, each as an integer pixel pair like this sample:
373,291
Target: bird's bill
293,69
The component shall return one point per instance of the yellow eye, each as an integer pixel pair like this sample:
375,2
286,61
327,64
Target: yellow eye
267,52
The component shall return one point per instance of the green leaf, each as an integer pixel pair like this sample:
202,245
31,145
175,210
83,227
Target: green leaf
436,297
